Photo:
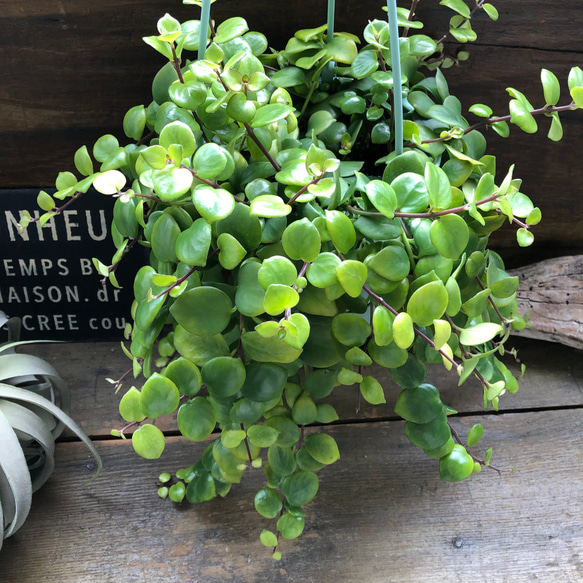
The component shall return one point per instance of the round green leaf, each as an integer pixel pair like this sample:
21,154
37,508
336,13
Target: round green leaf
365,63
193,244
231,252
322,271
411,191
104,147
268,205
278,270
429,435
272,349
479,334
438,187
199,349
420,404
268,503
189,95
264,381
475,435
262,435
481,110
300,488
350,329
352,276
148,441
289,77
456,465
403,331
213,204
110,182
341,230
322,448
382,323
289,432
301,240
382,196
450,235
159,396
268,538
83,161
271,113
196,419
372,391
185,375
281,460
129,406
524,237
279,298
290,526
304,410
223,376
410,374
164,235
178,132
521,116
246,411
210,160
428,303
389,356
204,311
171,183
391,263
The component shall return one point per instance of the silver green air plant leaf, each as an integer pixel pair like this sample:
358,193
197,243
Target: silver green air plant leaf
291,247
33,401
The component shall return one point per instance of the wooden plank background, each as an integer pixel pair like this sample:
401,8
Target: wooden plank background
381,516
71,69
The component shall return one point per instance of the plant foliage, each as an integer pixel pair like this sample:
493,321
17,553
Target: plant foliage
290,247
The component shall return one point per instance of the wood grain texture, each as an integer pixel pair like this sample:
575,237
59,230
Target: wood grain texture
381,515
70,70
551,293
554,377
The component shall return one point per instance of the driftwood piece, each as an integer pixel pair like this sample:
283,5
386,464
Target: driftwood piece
551,292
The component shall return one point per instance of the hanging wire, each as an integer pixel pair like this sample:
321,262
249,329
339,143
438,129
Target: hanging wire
328,72
397,84
205,17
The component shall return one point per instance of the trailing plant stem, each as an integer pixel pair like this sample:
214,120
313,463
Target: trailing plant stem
257,141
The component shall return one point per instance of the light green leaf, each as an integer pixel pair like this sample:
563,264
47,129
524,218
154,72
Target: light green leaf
551,87
196,419
271,113
159,396
148,441
521,116
372,391
268,205
480,333
203,311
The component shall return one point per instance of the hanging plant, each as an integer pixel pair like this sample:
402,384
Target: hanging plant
308,212
33,404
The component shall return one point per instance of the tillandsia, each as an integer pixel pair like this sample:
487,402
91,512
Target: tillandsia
291,246
34,402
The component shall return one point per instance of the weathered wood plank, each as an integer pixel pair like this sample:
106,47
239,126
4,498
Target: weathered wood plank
553,378
381,515
551,292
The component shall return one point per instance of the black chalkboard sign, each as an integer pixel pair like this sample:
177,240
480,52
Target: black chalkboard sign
47,276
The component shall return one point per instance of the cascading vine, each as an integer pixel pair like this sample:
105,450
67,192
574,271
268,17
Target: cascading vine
303,224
